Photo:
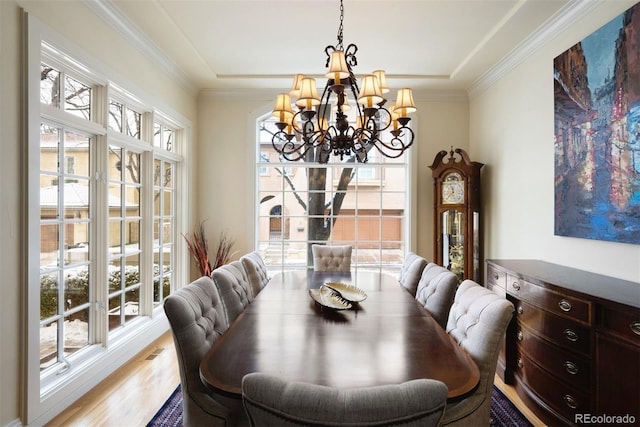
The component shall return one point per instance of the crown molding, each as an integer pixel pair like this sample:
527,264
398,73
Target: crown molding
565,17
109,13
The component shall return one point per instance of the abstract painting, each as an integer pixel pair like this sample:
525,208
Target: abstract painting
597,134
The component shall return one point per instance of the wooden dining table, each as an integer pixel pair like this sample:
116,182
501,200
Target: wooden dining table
386,339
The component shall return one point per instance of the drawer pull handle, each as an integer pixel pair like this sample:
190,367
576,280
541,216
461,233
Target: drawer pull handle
520,363
496,277
520,309
564,305
571,367
570,335
570,401
635,327
520,336
516,286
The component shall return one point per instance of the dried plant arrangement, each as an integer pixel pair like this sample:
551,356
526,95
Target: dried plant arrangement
224,254
199,249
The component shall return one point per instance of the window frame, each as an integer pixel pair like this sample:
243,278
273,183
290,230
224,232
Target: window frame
45,394
409,232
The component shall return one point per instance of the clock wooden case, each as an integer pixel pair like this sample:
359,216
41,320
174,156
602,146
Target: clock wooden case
457,223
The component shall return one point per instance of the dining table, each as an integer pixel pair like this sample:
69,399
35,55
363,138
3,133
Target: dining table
387,338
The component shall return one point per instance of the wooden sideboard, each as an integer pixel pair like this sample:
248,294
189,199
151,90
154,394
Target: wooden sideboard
572,350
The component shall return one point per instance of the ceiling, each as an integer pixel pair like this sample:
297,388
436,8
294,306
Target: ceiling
245,44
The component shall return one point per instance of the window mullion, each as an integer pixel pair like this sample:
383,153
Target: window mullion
100,213
146,212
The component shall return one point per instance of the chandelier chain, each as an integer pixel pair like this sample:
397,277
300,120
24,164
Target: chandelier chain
340,28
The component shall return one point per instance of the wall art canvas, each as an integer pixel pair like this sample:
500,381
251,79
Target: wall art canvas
597,134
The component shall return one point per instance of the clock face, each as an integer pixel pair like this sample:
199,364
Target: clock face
453,189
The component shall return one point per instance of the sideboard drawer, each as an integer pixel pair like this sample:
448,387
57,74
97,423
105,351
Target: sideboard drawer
554,302
571,369
562,398
562,331
496,277
621,323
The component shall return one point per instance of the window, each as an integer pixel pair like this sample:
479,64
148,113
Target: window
342,202
65,265
102,238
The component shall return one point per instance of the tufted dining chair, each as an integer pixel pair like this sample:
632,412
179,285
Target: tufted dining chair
234,291
197,320
331,258
240,273
256,270
411,271
435,291
477,321
273,402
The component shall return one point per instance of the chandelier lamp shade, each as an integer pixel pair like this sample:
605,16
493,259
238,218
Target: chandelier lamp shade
320,127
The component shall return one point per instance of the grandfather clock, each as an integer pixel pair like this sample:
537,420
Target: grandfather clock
457,222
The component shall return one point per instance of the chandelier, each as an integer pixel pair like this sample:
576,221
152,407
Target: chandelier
311,133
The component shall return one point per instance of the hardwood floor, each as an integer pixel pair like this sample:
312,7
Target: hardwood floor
134,393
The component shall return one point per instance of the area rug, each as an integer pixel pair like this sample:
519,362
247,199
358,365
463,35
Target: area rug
503,413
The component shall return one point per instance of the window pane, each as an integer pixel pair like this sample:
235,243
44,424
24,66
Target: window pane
49,85
115,163
48,345
77,98
132,203
156,202
78,246
76,284
131,305
133,123
115,237
132,167
168,139
76,332
157,172
76,148
132,229
157,135
167,175
115,115
48,295
49,146
115,275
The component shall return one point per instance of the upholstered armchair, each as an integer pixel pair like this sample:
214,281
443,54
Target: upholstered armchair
411,271
435,291
477,321
197,320
272,402
331,258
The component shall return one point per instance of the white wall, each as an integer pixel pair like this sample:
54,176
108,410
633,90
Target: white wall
511,130
82,27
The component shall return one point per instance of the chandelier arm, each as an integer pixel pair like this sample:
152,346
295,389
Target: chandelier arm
288,149
387,121
396,146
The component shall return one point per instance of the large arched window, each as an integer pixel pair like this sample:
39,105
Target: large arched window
365,205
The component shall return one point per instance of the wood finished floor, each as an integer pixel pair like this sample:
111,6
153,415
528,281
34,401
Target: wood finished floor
134,393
